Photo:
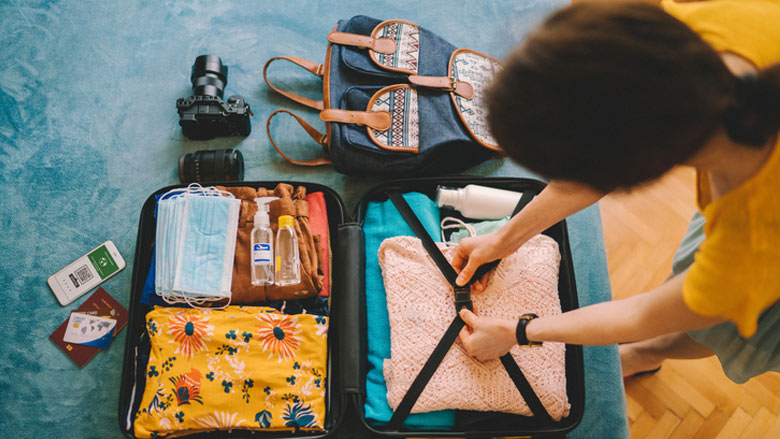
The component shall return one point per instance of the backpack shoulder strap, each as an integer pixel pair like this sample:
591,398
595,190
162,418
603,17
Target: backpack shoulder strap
313,133
314,68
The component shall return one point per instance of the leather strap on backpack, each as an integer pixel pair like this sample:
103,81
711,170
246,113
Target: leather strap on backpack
313,133
314,68
378,120
446,83
379,45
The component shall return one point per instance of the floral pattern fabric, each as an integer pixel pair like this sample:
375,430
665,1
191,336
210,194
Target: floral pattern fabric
242,367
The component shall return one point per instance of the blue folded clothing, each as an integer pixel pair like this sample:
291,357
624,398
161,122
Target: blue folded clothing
383,221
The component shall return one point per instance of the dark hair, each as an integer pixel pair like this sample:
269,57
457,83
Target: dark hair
616,94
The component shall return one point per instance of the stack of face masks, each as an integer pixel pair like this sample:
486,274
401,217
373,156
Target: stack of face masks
195,244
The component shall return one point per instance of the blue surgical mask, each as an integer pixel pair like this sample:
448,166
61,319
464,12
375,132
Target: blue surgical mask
195,244
166,228
207,243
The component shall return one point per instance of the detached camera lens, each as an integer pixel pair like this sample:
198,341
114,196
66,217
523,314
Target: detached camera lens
209,76
211,166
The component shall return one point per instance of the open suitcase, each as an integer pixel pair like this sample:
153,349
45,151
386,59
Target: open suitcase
347,362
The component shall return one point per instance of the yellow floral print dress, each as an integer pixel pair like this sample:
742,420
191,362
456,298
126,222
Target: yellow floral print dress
242,367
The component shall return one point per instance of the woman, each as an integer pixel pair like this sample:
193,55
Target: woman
607,96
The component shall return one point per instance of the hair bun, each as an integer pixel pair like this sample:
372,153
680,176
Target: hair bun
754,116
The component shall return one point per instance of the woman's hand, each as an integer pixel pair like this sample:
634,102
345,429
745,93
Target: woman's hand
486,338
471,253
554,203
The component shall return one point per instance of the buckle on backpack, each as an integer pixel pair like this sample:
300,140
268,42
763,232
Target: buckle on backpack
453,84
463,298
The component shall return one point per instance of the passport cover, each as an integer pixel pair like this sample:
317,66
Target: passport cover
102,304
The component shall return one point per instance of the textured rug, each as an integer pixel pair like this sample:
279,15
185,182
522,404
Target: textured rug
88,129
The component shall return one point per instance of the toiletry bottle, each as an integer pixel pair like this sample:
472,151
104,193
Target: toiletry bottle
478,202
288,271
262,245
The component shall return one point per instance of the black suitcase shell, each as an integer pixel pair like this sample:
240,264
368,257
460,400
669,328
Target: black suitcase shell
347,361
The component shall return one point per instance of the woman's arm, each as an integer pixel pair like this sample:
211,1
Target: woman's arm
557,201
656,312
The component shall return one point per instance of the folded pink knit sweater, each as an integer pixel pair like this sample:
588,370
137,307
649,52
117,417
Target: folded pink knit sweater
420,306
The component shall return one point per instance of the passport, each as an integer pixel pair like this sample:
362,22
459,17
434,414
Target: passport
101,304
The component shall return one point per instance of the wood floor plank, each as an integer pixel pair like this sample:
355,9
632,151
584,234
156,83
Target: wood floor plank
690,424
641,428
770,380
652,405
760,424
686,391
773,432
769,400
633,408
666,395
736,424
665,426
748,402
712,425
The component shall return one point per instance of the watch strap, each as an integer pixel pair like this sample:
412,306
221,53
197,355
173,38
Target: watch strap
520,332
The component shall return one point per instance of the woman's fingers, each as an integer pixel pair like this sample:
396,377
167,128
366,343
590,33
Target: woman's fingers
467,272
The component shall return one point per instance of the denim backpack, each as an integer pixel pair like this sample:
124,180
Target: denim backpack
397,100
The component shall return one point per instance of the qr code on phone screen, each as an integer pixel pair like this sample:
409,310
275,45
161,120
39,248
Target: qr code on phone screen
81,275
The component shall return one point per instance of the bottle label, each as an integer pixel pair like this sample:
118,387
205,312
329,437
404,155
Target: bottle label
261,254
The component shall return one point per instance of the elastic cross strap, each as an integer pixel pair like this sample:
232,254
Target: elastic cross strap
425,374
438,354
525,388
414,223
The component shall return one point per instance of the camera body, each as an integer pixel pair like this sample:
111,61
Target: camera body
204,115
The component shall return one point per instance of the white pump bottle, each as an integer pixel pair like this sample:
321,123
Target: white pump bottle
262,254
478,202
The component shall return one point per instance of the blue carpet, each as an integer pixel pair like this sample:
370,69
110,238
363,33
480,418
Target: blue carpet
88,129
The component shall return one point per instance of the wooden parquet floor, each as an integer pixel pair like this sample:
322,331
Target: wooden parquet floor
686,398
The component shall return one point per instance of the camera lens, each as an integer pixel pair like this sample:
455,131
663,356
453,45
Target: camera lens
211,166
209,76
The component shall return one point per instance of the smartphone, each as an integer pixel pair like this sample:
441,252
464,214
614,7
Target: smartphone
86,272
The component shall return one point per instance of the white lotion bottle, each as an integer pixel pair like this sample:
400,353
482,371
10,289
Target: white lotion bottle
288,267
478,202
262,242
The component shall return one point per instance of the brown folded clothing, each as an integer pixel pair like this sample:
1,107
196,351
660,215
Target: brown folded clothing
292,201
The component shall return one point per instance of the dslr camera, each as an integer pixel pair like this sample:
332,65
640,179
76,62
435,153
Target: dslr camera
204,115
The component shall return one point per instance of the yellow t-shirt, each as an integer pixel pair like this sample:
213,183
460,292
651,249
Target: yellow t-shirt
736,272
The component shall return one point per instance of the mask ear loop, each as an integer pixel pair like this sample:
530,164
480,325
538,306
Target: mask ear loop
173,193
194,187
458,224
196,303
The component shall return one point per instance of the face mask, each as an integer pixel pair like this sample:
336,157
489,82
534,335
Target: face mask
195,244
207,243
163,234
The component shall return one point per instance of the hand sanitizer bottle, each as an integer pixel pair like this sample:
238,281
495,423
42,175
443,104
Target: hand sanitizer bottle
288,267
262,245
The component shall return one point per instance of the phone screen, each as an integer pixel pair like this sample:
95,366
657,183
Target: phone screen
86,272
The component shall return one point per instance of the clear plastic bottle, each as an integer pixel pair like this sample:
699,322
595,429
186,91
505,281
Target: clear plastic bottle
262,245
288,271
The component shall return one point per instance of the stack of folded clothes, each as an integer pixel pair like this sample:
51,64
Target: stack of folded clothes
261,365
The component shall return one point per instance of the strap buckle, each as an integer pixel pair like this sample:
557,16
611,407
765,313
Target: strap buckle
463,298
453,84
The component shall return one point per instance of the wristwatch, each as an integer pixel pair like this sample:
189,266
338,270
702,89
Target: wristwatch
522,338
